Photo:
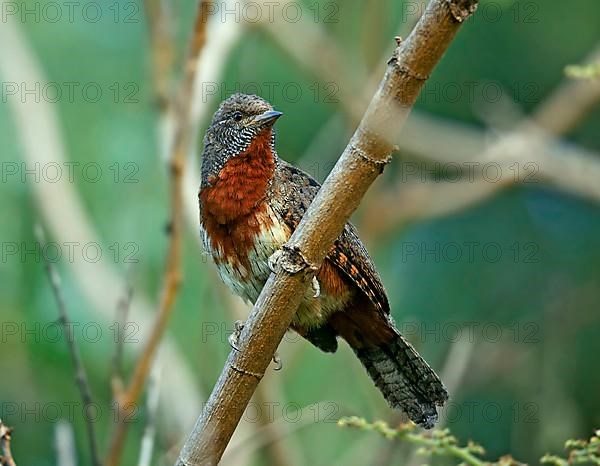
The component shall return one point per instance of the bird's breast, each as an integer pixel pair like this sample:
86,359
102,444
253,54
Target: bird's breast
241,249
239,227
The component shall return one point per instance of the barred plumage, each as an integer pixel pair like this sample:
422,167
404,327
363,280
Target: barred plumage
250,203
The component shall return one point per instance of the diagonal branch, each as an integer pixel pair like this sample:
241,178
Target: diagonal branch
172,274
570,102
570,168
159,22
80,373
567,167
533,139
40,134
360,164
5,434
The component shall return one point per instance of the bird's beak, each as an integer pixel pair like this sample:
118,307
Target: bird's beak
266,119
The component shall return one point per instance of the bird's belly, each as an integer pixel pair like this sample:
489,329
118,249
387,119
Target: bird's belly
245,269
242,258
247,280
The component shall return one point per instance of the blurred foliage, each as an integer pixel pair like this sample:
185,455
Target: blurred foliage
530,316
442,443
583,72
580,451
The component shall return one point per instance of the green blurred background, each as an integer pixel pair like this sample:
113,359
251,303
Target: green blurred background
513,327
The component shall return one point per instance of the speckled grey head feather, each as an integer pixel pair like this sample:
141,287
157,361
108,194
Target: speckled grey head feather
230,132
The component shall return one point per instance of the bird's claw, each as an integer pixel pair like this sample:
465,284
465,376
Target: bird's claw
277,361
316,287
273,259
238,326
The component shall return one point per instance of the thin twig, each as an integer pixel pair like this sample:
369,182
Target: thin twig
80,373
152,407
570,102
360,164
162,49
273,432
39,131
440,442
531,142
172,274
5,436
567,167
116,379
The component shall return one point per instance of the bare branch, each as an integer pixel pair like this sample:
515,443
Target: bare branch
273,432
116,379
532,141
80,374
172,273
279,449
360,164
568,167
152,406
40,133
162,48
5,436
570,102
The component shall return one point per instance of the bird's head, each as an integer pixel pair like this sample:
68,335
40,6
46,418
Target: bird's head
239,121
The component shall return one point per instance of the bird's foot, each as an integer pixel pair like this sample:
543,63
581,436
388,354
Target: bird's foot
238,326
273,259
277,361
316,287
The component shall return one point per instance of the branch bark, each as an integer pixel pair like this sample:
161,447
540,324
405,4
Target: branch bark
534,139
172,274
362,161
567,167
5,435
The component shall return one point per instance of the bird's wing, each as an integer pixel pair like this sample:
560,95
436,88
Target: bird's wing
348,254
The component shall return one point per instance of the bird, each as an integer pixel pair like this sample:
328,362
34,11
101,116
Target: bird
251,201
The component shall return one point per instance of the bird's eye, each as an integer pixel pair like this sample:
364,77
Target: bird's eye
237,116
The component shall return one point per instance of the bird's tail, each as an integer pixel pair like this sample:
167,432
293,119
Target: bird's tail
404,378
